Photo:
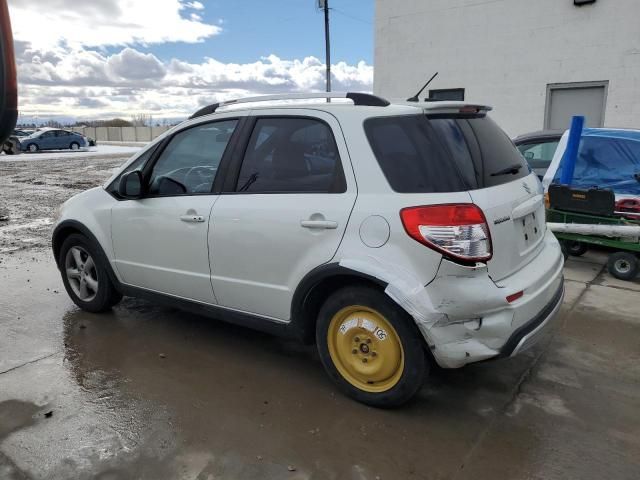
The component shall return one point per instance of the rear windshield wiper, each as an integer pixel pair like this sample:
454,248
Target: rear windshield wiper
512,169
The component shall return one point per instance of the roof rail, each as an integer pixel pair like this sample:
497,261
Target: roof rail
357,98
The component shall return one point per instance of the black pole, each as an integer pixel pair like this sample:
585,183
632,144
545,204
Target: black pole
327,45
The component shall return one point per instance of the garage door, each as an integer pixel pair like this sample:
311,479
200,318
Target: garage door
565,101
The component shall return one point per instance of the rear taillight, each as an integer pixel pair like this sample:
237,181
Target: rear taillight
459,231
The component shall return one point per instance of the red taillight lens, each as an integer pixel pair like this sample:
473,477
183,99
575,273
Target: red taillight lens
459,231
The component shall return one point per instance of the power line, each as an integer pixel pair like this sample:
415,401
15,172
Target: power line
353,17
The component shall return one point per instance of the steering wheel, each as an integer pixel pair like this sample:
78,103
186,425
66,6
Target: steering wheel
201,178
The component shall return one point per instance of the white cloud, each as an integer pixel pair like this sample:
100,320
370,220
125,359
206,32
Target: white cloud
106,22
195,5
64,69
131,81
131,64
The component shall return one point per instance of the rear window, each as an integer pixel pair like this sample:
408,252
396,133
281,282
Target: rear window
443,154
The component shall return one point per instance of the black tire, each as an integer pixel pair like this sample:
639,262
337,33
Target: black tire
410,377
106,295
76,144
10,147
32,145
623,265
576,249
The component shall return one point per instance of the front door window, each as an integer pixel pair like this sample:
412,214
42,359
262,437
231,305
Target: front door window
188,165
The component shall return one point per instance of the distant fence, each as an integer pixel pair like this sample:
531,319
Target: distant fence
121,134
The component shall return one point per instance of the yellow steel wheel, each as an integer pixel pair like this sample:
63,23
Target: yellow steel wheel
365,349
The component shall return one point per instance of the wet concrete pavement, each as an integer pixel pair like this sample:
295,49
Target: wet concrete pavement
156,393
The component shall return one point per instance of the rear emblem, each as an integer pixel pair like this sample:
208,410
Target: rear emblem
526,187
497,221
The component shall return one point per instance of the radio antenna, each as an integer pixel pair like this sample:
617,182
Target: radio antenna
415,97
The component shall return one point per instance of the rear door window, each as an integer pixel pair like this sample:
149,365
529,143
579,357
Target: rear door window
294,154
443,154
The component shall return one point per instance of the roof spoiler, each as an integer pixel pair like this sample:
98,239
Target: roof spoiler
455,108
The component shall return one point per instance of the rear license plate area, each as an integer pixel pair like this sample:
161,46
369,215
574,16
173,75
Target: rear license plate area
530,230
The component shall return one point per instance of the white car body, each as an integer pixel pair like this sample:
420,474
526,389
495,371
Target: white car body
250,254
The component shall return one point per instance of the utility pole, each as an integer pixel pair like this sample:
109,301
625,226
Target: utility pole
324,4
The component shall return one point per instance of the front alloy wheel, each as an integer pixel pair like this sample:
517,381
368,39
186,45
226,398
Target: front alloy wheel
81,273
84,272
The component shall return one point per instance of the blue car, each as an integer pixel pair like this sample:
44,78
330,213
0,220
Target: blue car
53,139
607,158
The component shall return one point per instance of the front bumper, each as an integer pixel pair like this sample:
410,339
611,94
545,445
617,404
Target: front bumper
474,320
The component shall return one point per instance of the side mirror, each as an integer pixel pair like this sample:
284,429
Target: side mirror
529,155
131,185
8,80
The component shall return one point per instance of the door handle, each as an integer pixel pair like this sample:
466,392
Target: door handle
326,224
192,218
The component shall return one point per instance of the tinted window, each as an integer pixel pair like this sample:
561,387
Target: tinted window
410,155
539,155
189,163
443,154
291,155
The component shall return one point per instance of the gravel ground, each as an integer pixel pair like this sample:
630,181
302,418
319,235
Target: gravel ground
33,190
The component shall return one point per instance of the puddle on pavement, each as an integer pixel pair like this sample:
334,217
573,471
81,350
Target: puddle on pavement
16,414
241,404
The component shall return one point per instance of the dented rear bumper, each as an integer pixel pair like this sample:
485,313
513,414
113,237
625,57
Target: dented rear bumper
473,319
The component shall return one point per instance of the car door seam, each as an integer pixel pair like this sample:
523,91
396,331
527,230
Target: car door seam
213,290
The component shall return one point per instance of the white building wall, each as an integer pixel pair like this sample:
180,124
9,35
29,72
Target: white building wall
506,52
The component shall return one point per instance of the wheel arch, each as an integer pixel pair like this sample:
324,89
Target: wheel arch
69,227
315,288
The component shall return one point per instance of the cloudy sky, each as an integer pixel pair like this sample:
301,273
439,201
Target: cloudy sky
106,58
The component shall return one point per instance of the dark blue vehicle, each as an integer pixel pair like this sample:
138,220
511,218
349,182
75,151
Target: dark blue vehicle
53,139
